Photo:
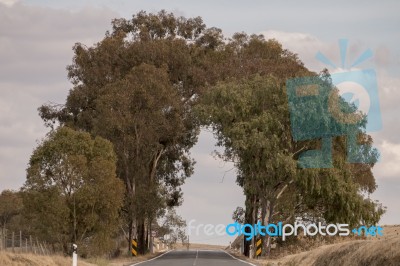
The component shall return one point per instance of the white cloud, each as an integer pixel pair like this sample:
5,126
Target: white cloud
389,97
305,45
291,38
35,48
8,2
211,194
389,165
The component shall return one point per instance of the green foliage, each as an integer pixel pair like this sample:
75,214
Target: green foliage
239,215
143,116
250,119
172,227
71,194
10,209
138,88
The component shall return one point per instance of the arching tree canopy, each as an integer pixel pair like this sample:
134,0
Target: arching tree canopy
139,87
251,120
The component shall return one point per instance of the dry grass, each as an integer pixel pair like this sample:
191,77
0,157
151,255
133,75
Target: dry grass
382,251
27,259
13,259
126,260
194,246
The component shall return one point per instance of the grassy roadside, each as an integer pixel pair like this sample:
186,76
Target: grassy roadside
360,252
23,259
379,251
372,251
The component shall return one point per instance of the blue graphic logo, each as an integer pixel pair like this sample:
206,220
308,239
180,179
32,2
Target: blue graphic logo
344,104
284,230
368,231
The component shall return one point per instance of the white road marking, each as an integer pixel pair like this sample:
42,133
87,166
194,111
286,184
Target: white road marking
197,255
151,259
239,259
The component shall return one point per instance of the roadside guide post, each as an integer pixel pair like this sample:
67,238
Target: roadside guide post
74,255
153,234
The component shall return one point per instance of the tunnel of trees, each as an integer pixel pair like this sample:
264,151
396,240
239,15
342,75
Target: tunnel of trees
119,147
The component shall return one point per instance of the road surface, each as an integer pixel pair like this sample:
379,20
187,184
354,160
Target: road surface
194,258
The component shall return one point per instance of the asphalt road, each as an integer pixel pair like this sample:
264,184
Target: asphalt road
194,258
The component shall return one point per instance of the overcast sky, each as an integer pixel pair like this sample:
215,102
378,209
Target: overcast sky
36,39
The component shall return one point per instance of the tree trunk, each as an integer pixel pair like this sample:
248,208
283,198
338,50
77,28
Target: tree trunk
74,220
253,222
263,220
149,236
266,243
131,191
146,229
130,236
141,236
248,220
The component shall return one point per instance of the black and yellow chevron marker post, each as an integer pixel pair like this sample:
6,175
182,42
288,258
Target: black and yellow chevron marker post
258,248
134,247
